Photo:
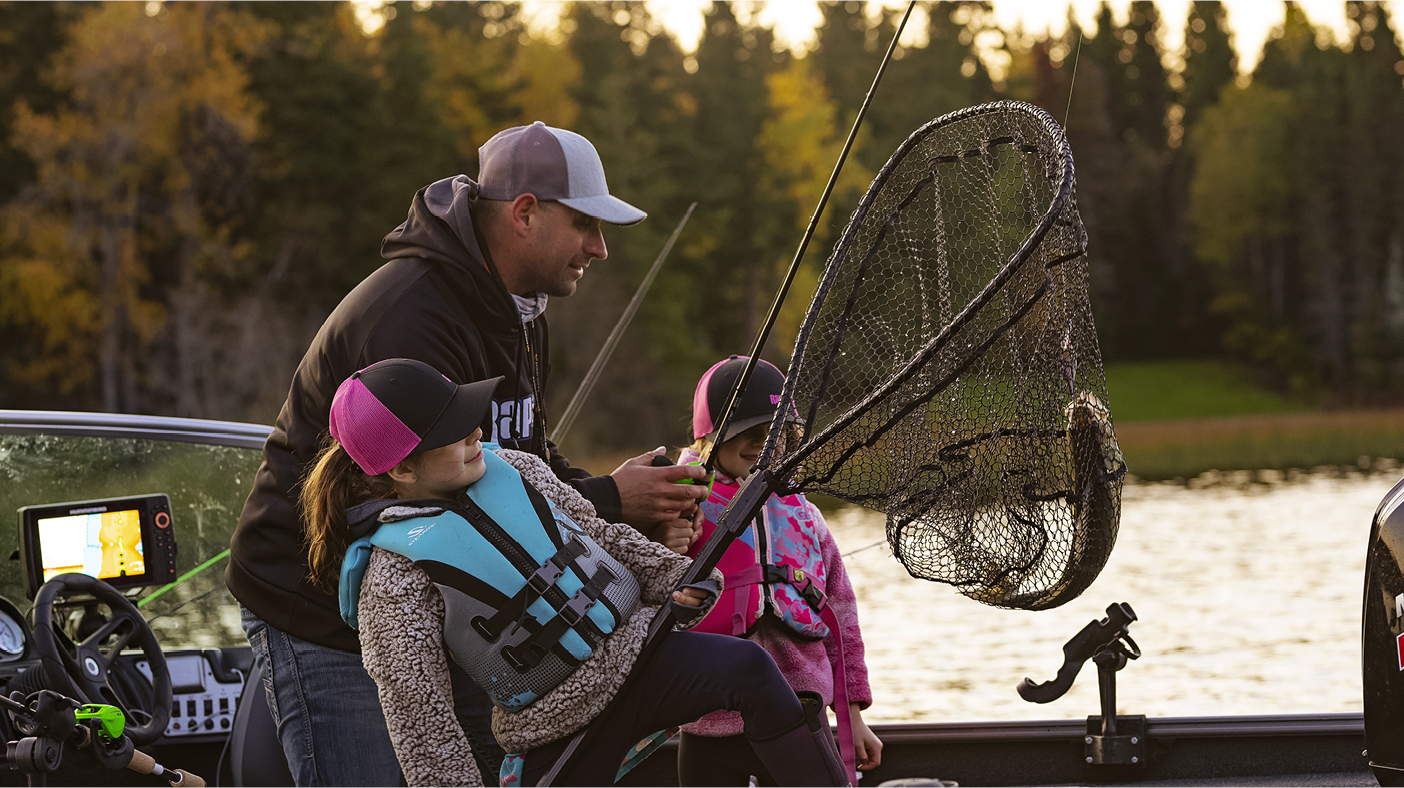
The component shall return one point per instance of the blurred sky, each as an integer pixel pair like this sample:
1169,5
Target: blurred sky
794,20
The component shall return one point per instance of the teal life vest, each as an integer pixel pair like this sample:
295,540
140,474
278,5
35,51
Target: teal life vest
527,594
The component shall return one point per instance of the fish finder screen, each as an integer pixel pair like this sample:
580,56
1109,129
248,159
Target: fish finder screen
102,544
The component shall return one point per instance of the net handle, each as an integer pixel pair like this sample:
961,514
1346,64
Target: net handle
708,455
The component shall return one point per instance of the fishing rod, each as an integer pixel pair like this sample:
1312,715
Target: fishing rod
1072,83
708,457
592,375
756,490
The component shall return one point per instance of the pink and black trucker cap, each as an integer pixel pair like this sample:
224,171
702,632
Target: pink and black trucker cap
756,405
392,408
553,164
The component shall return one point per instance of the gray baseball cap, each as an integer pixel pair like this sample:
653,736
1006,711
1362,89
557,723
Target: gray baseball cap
553,164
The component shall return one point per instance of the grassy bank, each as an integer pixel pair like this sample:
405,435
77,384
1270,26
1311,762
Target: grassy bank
1161,390
1182,418
1188,447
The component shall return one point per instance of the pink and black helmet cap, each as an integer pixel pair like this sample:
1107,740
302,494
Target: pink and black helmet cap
756,405
393,408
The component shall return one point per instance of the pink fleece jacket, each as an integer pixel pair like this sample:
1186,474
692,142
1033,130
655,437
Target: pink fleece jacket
807,663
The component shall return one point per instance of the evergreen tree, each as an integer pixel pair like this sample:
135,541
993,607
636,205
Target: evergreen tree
1147,90
1210,62
317,215
1370,169
1210,66
1118,135
634,105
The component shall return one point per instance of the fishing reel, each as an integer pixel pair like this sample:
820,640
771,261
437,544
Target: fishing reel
1111,740
49,722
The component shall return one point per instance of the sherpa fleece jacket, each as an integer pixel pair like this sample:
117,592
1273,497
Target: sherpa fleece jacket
401,617
437,300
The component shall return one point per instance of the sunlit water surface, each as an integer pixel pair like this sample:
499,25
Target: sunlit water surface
1248,597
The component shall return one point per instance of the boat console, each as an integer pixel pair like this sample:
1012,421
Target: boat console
83,564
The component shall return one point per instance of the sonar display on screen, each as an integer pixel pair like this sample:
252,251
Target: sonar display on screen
100,544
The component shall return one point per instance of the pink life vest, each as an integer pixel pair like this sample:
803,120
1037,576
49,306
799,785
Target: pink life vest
778,567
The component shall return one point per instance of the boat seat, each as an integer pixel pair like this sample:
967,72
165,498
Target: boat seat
255,753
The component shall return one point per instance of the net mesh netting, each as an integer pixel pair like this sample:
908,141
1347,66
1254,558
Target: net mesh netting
947,371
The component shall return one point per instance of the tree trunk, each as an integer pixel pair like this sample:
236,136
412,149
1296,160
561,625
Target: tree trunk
113,314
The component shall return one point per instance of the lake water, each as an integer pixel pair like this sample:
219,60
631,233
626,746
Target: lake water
1248,597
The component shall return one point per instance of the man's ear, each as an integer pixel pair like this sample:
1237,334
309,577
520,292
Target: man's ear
403,472
525,211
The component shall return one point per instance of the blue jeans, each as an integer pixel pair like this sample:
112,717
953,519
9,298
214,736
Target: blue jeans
328,712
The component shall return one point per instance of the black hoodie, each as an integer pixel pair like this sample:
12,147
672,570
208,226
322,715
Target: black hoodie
437,300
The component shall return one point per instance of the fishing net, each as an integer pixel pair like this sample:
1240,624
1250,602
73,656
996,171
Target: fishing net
947,371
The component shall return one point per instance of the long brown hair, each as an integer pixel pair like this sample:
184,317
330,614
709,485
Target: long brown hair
334,484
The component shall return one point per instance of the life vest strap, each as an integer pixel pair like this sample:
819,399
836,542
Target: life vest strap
801,582
536,586
527,654
779,573
750,575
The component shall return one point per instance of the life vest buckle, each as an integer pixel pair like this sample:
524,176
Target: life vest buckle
801,582
816,598
576,609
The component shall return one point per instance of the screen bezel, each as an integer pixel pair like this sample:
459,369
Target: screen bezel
146,506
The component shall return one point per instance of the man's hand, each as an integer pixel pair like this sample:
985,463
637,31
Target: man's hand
649,497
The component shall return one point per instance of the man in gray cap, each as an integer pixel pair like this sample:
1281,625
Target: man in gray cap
468,276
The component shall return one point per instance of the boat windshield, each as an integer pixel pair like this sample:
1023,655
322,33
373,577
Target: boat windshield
207,485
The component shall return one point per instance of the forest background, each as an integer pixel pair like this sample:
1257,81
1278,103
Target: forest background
188,189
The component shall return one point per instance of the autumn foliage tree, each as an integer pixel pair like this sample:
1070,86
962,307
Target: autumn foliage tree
135,197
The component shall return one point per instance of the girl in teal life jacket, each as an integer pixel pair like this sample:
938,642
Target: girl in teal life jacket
786,588
445,548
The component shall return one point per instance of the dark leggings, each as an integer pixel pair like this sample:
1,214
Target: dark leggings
720,760
692,674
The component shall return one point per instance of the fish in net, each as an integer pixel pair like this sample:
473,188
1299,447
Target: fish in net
947,371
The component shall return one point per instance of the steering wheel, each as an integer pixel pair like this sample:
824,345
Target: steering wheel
80,670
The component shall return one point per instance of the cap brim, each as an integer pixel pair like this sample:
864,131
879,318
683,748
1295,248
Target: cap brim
738,426
463,414
606,208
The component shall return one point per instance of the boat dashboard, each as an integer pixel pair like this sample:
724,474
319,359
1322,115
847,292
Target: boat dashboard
206,686
100,577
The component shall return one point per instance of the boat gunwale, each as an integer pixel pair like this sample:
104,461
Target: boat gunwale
1156,727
